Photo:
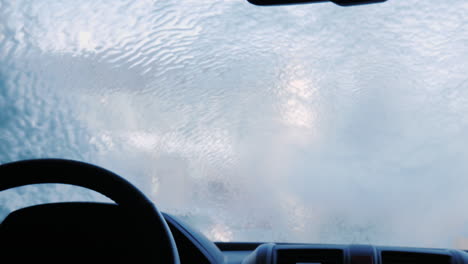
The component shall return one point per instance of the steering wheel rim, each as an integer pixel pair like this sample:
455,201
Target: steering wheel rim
107,183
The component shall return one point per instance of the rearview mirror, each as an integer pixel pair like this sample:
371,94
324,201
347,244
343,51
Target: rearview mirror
292,2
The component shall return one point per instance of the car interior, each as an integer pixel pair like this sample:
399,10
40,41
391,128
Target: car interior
133,230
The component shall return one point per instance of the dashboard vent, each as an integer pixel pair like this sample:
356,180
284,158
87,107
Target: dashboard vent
322,256
396,257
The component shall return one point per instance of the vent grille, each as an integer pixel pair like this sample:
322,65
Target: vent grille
322,256
396,257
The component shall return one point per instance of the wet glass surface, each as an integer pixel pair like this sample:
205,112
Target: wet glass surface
310,123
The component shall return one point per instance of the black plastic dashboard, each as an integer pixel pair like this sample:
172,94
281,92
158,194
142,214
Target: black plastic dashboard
353,254
197,249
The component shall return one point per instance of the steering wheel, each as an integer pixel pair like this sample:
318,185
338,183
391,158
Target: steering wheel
123,193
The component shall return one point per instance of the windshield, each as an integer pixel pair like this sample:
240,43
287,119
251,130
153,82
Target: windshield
309,123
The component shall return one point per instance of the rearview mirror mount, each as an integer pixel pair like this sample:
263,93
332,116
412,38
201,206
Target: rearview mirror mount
292,2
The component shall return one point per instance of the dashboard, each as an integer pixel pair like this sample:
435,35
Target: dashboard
196,249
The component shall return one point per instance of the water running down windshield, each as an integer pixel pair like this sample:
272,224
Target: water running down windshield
311,123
